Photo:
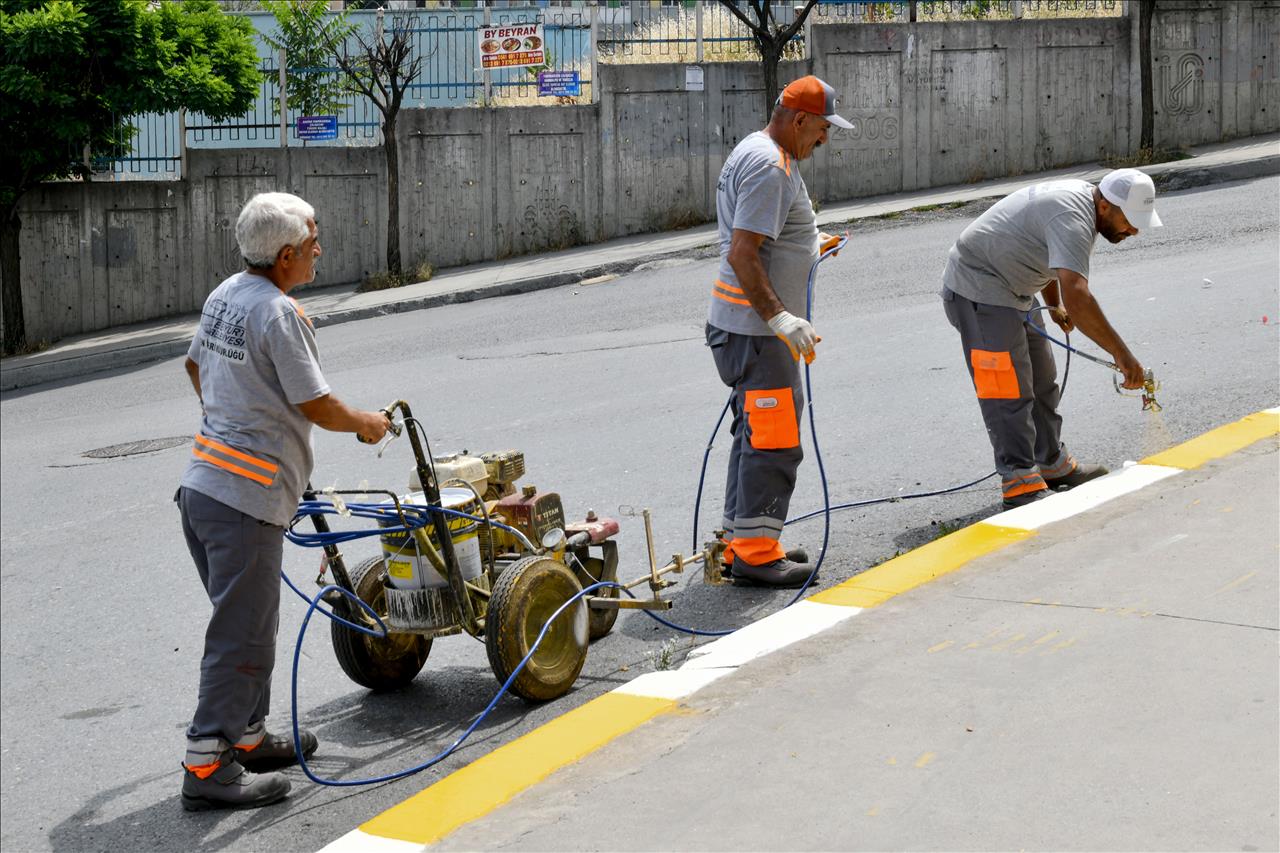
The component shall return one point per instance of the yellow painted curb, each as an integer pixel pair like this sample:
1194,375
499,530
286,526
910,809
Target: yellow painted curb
1219,442
893,577
488,782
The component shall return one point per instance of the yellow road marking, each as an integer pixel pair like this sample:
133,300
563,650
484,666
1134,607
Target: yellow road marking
1002,646
944,644
1219,442
873,811
877,585
488,782
1046,638
491,780
1063,645
1233,584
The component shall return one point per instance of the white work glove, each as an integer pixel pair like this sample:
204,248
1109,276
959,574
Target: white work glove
796,333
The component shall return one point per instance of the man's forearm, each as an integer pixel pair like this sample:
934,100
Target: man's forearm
1088,318
755,285
193,373
328,412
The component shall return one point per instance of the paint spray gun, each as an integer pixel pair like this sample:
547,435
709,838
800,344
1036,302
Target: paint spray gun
1150,385
1148,394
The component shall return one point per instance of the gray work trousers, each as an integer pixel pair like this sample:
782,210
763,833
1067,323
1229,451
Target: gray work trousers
238,558
1015,377
766,405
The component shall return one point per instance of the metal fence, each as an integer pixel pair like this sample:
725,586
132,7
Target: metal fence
578,36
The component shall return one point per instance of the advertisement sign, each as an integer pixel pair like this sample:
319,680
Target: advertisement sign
317,127
512,45
562,83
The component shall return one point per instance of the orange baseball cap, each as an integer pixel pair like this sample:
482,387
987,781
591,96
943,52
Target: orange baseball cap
811,95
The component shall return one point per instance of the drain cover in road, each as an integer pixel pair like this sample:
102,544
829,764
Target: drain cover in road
133,448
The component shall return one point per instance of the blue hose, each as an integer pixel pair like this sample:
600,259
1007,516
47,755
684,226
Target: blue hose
416,516
313,605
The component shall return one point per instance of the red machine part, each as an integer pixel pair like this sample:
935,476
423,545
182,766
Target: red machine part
598,529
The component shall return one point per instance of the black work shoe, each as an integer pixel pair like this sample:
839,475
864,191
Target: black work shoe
782,574
276,751
1026,498
1078,476
232,787
795,555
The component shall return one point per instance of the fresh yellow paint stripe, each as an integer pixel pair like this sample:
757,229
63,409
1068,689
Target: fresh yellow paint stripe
878,585
1218,442
488,782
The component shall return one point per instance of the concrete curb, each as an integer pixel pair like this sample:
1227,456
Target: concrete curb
1168,177
488,782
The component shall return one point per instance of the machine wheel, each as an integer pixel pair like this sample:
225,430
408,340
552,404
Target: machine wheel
371,662
526,595
595,569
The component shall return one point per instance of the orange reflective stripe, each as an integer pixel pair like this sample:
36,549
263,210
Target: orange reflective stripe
729,287
720,295
771,416
203,771
1021,485
1024,488
231,451
993,375
232,467
758,550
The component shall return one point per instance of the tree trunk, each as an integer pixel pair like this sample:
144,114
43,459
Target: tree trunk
770,55
15,334
1147,140
389,145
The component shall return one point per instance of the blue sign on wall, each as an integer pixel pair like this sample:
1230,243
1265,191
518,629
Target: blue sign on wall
317,127
559,83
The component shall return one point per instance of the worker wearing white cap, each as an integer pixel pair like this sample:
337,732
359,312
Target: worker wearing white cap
1038,240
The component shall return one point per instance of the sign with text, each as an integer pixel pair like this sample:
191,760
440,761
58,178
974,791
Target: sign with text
512,45
317,127
561,83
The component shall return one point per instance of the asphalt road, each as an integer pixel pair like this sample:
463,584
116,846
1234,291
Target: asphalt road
608,390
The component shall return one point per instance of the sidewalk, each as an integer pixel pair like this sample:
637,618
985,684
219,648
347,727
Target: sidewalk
131,345
1103,677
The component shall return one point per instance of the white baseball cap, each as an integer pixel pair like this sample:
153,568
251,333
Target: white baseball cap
1133,192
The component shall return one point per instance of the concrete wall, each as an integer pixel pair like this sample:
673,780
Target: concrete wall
1216,70
932,104
937,104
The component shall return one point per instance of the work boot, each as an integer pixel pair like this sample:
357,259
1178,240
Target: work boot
230,786
795,555
783,574
1076,476
1026,498
273,751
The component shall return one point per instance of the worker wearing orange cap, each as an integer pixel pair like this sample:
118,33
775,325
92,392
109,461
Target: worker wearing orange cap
756,328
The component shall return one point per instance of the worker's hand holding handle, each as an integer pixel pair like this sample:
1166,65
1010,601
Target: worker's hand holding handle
1062,318
827,242
1131,368
796,333
374,427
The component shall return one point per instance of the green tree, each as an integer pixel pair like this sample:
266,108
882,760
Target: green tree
72,71
381,66
771,39
307,29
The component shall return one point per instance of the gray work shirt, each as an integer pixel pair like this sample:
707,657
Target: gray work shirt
1007,255
760,190
258,360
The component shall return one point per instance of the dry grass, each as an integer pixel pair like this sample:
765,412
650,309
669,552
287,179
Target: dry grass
384,280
